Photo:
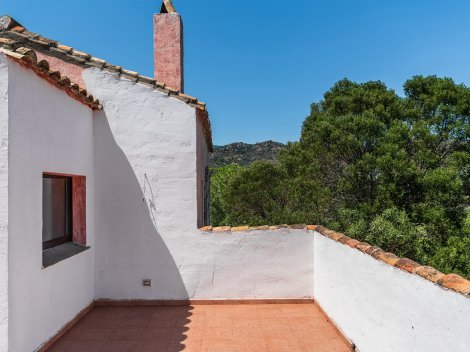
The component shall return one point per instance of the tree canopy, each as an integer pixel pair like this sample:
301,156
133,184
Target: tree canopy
391,170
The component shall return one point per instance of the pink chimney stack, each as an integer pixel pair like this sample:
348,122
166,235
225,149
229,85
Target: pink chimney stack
168,47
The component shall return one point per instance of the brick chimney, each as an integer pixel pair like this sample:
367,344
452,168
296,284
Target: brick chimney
168,47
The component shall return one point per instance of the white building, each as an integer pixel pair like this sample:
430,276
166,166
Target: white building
104,186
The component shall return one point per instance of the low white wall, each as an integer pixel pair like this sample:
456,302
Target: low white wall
251,264
3,204
382,308
49,131
147,152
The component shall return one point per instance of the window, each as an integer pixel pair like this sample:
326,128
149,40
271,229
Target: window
56,210
207,197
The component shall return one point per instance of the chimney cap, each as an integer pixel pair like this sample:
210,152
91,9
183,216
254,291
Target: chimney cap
8,22
167,7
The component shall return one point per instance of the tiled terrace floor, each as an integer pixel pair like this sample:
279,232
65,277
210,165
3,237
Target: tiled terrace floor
203,328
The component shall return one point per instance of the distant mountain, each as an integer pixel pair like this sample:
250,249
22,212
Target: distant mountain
245,154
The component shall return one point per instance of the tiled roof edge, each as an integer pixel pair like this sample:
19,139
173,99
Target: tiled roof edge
19,36
452,282
256,228
26,57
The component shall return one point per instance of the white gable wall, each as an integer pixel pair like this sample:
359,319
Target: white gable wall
148,150
49,132
3,204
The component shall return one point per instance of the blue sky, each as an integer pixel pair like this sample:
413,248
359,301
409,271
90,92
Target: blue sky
260,64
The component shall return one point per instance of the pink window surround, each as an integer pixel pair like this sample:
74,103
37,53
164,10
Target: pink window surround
78,206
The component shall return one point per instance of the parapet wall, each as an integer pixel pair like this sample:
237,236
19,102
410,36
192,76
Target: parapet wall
385,303
379,301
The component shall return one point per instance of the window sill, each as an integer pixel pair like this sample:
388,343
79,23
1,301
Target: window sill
57,254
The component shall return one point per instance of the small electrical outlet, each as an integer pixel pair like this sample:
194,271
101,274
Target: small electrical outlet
147,283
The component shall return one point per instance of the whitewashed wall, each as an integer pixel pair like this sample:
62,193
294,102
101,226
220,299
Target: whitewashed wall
3,204
146,145
49,131
382,308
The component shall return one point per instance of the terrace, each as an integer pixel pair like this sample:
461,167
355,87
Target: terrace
130,194
364,299
201,327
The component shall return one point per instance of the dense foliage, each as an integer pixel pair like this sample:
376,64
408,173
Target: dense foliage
245,154
390,170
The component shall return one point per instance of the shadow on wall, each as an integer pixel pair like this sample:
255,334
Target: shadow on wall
128,246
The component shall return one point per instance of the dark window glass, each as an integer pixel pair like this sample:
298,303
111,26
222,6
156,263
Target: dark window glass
56,210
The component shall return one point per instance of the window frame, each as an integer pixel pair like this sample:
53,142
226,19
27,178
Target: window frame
68,236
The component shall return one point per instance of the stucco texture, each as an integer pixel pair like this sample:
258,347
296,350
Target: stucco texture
3,204
48,132
382,308
149,159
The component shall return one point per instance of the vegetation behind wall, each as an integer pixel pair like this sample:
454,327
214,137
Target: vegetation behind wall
390,170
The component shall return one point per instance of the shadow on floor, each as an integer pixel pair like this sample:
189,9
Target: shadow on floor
204,328
128,329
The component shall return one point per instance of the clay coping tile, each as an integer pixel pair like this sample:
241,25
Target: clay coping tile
256,228
27,57
406,264
69,54
451,281
352,242
18,29
221,229
362,246
259,228
386,257
456,283
240,228
86,58
429,273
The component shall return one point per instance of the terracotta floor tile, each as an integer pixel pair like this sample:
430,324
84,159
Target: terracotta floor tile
97,323
218,321
152,346
88,334
191,346
156,334
109,312
203,328
273,322
250,345
124,346
80,346
132,323
192,321
278,332
245,322
125,335
217,345
247,333
187,333
60,346
216,333
163,321
282,345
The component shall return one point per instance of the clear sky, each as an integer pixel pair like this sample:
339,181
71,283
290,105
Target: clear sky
260,64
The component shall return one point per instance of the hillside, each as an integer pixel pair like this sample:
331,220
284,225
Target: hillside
245,154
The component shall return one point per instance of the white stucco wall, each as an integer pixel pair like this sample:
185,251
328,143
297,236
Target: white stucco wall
382,308
3,204
146,147
49,132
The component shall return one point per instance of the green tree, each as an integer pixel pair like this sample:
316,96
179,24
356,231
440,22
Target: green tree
220,178
387,169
